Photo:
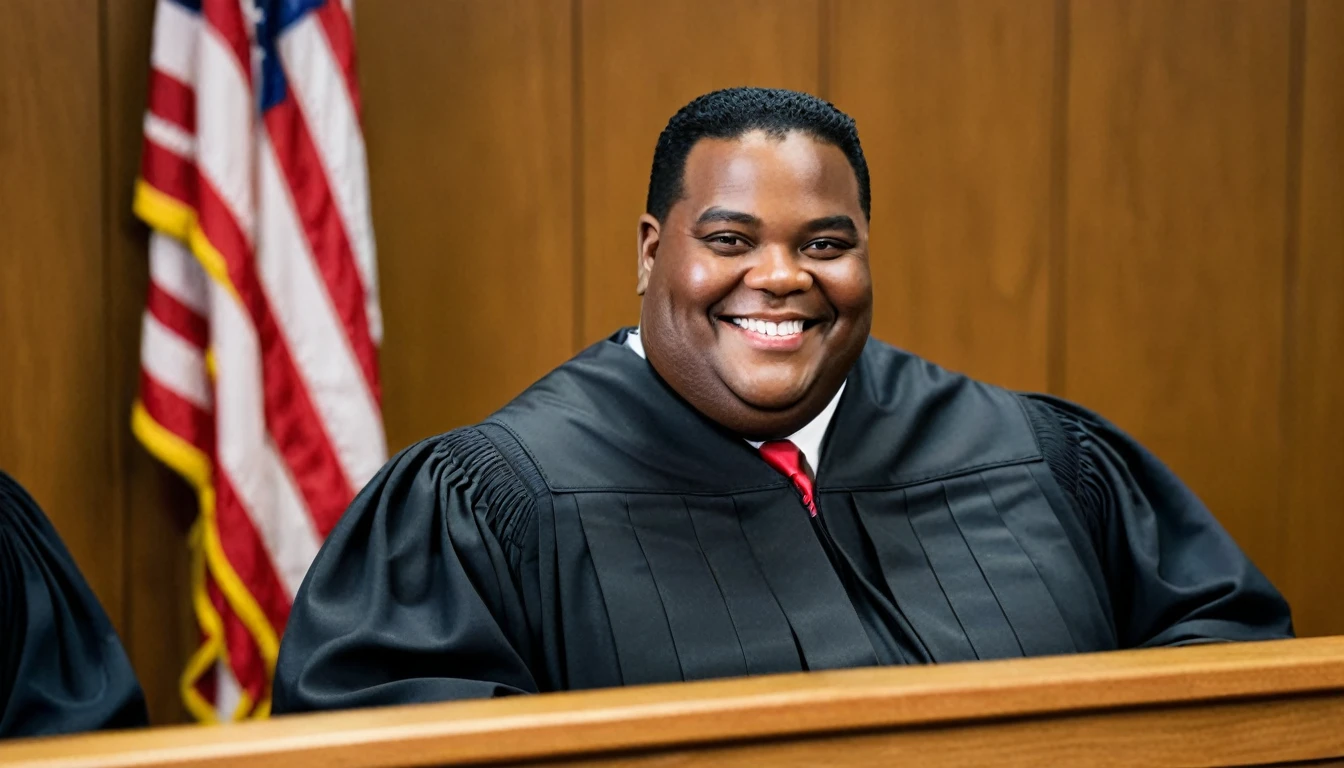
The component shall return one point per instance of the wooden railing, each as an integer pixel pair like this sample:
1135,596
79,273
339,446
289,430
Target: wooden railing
1235,704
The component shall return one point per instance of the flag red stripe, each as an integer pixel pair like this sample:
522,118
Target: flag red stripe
207,685
177,317
177,414
291,418
172,100
341,37
248,554
226,17
169,173
328,242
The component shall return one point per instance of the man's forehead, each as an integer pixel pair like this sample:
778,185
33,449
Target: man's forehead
757,169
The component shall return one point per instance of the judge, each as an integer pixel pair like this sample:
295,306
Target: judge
62,668
749,484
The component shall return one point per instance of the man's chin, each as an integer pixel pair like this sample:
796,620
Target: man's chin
769,399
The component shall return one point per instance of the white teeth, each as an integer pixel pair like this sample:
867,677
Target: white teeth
766,328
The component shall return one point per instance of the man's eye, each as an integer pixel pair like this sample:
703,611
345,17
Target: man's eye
825,246
727,242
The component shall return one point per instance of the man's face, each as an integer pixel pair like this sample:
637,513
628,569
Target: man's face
757,294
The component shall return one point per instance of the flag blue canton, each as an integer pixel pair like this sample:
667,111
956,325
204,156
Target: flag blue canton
271,20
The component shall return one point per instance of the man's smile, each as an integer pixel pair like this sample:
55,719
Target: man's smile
771,332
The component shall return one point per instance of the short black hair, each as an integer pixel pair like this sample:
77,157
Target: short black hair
732,112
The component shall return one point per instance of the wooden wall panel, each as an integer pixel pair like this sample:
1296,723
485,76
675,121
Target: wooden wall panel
954,105
157,626
1312,517
467,118
1191,172
1177,157
640,63
53,419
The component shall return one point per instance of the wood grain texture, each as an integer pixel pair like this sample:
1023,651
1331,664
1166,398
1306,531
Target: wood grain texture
1243,733
1279,700
1177,159
467,118
1313,514
641,62
954,105
53,419
157,626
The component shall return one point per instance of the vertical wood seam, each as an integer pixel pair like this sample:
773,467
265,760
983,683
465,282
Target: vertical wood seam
111,349
1288,374
824,49
1057,289
577,261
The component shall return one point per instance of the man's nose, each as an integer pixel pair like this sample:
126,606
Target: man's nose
779,271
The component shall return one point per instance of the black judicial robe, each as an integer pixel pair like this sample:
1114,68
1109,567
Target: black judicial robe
62,668
598,531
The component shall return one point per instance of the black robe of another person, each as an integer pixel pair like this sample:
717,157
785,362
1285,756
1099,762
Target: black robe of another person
598,531
62,668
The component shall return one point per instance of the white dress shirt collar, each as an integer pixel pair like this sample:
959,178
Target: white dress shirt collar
808,439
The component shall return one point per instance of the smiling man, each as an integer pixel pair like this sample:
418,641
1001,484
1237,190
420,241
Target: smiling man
749,484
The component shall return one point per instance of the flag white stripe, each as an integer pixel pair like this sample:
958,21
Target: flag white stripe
169,136
175,271
320,90
227,692
174,48
247,455
284,525
174,362
315,336
225,128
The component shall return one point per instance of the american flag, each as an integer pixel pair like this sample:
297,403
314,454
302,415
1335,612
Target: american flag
259,363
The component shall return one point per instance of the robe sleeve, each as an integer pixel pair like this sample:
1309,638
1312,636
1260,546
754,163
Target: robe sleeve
1174,574
412,597
62,668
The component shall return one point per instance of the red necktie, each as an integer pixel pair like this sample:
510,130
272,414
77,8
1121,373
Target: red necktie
787,459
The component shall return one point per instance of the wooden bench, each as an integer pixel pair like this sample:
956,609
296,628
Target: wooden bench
1227,704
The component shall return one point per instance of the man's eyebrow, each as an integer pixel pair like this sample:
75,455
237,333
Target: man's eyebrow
843,223
724,215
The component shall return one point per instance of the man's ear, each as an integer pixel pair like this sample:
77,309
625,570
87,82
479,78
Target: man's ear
649,230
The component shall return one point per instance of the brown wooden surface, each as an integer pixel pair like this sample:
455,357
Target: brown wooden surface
53,416
1176,189
1200,705
1313,511
467,116
954,102
1242,733
640,63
